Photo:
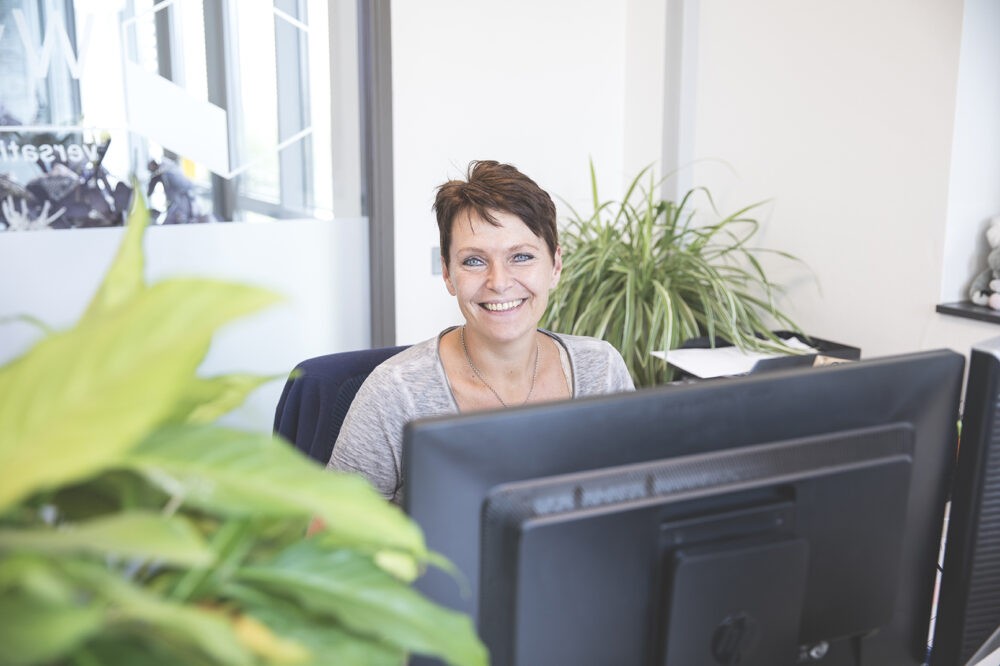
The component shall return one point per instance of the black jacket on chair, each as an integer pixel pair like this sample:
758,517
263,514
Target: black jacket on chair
318,394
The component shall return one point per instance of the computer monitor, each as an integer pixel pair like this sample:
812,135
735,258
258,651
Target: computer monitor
968,613
785,518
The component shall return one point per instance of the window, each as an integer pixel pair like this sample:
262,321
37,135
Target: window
229,105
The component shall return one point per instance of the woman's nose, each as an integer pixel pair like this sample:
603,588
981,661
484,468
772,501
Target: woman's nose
498,278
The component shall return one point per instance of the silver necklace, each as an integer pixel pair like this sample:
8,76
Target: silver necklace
534,374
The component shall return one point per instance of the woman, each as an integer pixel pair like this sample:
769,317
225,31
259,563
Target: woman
500,257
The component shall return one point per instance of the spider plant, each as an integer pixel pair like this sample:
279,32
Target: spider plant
136,530
645,275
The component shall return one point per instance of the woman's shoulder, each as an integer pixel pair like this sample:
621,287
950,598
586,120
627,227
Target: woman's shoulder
598,367
583,344
408,385
417,359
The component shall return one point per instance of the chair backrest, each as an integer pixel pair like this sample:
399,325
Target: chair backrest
317,396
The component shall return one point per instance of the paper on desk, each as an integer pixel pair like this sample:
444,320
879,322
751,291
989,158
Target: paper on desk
723,361
989,653
991,659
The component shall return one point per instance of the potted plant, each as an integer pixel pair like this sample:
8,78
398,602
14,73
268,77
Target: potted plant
134,529
644,275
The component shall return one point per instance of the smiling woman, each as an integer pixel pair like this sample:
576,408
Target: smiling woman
500,258
501,275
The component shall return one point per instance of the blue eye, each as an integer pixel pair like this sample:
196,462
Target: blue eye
523,256
473,261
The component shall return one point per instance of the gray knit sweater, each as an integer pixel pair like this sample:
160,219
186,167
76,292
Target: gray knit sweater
413,384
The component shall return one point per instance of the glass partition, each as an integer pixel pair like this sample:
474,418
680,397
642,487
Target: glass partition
217,110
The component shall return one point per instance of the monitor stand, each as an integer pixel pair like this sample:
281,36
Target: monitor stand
748,600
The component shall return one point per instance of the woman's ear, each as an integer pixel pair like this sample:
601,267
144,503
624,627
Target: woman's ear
447,277
556,267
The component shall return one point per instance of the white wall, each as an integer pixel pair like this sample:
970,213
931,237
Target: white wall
541,85
842,113
645,78
320,267
974,192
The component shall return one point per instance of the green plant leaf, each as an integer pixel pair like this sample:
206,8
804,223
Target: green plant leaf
104,433
327,641
150,650
241,473
34,631
103,495
267,644
207,399
78,399
34,322
136,611
125,277
232,542
644,274
366,599
129,534
44,614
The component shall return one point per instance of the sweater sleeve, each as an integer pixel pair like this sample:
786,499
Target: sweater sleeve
371,438
598,368
619,378
408,386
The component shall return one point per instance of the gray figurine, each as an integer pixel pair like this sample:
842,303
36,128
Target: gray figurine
183,206
985,289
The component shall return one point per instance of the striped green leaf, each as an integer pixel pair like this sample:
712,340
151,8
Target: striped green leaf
644,275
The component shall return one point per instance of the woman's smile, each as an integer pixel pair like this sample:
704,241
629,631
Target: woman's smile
504,306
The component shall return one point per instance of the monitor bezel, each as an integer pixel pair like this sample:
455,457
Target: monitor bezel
967,616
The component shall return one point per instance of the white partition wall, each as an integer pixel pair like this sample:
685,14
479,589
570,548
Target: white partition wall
319,267
217,110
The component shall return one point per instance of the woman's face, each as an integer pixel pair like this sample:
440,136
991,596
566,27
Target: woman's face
501,275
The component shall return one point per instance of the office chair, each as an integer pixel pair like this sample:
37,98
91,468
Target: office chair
317,396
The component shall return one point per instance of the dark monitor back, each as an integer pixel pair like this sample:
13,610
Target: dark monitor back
745,556
968,612
451,464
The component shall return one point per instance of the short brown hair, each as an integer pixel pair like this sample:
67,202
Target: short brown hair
489,187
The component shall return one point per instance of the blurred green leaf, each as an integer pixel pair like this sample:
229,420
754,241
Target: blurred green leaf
129,534
107,382
126,520
326,640
368,600
34,322
33,631
149,650
100,495
124,278
241,473
267,644
140,612
207,399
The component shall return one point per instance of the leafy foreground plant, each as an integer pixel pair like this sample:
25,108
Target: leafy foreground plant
641,274
134,531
